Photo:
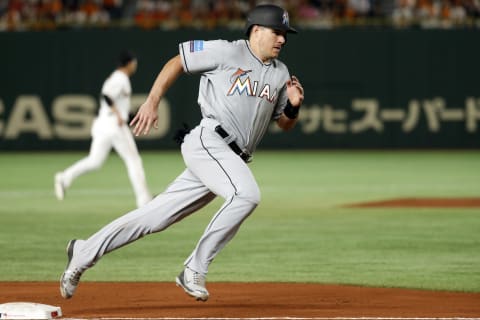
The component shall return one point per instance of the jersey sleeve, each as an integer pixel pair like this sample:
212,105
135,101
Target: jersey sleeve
113,87
200,56
281,103
282,95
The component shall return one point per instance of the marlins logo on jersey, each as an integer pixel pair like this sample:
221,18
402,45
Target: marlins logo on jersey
285,19
242,84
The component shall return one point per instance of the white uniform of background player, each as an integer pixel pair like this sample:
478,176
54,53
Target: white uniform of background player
243,87
110,129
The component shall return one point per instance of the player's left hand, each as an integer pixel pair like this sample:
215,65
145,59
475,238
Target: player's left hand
295,91
146,117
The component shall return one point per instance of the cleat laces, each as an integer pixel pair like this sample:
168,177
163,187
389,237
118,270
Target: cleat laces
75,277
198,279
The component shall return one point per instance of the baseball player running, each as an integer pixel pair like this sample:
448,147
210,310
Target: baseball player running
243,86
110,129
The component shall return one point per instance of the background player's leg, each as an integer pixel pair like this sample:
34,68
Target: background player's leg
125,146
183,197
225,173
99,150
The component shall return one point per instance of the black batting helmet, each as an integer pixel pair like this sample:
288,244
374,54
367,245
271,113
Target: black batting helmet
269,15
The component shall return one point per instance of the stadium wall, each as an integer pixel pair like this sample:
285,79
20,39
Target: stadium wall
365,88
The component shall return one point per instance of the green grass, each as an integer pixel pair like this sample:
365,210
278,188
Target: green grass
299,233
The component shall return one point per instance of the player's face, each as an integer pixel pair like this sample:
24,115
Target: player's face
271,42
132,66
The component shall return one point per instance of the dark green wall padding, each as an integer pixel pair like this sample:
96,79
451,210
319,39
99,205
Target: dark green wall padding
365,88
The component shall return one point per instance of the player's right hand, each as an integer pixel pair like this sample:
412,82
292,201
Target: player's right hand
145,118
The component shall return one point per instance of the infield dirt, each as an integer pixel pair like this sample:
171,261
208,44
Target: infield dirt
244,300
420,203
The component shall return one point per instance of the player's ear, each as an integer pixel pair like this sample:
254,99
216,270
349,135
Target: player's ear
254,28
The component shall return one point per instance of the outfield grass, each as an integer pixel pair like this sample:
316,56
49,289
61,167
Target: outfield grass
300,232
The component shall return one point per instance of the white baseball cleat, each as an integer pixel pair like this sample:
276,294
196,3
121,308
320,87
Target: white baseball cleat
70,277
193,283
59,186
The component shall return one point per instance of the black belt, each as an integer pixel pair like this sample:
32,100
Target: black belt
233,145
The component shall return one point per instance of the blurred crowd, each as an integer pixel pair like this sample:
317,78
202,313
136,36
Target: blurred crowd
18,15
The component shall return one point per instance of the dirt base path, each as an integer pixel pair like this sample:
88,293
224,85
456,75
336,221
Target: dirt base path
244,300
421,203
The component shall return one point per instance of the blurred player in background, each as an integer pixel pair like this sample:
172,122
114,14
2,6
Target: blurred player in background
109,130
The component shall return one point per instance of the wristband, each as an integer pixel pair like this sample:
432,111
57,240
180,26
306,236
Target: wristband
290,111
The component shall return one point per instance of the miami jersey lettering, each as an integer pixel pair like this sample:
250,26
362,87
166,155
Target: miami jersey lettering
249,87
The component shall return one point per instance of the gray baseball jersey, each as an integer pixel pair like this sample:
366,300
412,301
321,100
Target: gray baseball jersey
237,89
243,95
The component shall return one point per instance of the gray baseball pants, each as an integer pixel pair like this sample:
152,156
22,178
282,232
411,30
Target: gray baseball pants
212,169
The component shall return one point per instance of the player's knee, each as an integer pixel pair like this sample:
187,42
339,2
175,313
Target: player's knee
95,164
251,195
